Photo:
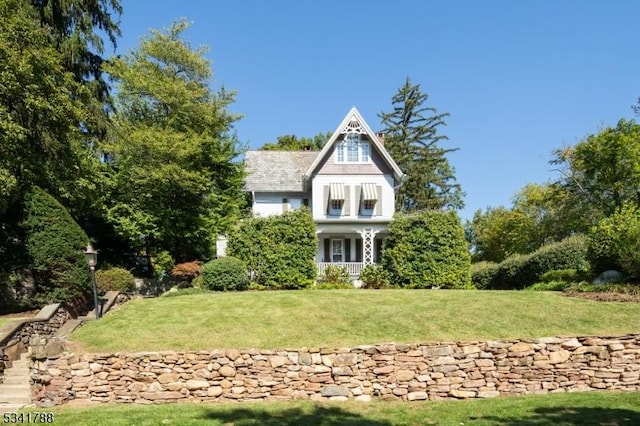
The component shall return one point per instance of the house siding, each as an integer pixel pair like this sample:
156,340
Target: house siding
384,207
377,166
268,204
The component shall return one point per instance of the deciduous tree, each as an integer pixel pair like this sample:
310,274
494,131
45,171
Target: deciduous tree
174,180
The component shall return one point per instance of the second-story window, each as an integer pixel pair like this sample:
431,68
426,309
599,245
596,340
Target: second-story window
352,149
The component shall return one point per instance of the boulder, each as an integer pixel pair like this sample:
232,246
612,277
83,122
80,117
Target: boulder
609,276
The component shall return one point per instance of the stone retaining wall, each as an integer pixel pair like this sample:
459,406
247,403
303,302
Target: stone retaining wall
17,339
477,369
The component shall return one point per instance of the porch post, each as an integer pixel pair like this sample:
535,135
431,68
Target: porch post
368,244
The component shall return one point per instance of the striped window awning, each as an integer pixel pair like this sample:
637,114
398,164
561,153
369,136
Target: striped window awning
337,191
369,192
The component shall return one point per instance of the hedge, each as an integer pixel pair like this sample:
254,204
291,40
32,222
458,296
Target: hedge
427,249
520,271
278,250
483,274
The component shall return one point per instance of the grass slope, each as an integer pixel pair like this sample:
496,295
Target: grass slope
338,318
591,408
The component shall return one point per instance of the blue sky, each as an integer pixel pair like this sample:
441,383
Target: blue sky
519,78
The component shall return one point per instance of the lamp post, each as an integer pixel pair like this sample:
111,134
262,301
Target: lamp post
92,259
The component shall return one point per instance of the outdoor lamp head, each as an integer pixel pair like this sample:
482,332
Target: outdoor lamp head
91,255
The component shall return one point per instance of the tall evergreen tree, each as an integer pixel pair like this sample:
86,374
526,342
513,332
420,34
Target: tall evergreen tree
174,180
412,139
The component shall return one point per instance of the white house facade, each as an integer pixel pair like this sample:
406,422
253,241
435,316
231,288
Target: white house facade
349,186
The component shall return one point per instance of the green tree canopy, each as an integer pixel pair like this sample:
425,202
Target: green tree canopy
294,143
39,110
498,233
174,179
412,139
603,170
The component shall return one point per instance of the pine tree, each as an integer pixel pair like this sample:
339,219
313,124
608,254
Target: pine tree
412,139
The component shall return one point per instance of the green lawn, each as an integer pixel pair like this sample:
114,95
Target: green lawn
337,318
591,408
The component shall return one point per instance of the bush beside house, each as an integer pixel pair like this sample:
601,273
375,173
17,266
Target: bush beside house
427,249
278,250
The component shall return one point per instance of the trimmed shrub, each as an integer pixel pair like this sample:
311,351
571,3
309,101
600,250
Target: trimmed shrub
511,273
615,242
54,243
520,271
567,275
374,276
427,249
225,274
549,286
570,253
278,250
186,272
483,274
117,279
334,274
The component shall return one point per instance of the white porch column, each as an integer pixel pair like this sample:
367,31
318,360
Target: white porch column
368,245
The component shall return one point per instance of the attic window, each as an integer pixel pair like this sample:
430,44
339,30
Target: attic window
352,149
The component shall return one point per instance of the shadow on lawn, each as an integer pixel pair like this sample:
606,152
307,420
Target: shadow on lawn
570,416
317,415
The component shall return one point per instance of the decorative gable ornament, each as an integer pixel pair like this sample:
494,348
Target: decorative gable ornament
353,126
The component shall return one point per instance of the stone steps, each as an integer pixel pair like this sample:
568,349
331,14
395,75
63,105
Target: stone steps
15,390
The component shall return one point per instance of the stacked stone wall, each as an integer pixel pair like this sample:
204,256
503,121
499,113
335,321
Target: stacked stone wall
18,339
474,369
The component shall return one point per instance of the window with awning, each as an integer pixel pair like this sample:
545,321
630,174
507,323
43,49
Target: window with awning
336,191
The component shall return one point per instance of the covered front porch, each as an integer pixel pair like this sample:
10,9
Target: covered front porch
351,247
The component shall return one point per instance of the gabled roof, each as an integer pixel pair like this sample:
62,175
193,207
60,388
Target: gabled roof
277,171
353,122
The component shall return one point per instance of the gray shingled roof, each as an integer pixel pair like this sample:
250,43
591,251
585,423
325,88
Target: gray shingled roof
276,171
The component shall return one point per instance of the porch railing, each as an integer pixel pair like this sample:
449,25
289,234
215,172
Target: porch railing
354,268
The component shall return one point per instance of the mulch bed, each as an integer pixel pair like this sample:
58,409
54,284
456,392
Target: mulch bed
605,297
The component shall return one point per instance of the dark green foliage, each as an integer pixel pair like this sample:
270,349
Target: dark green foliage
569,275
570,253
225,274
511,273
549,286
294,143
427,249
615,242
374,276
520,271
117,279
278,250
483,273
412,139
54,242
334,274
